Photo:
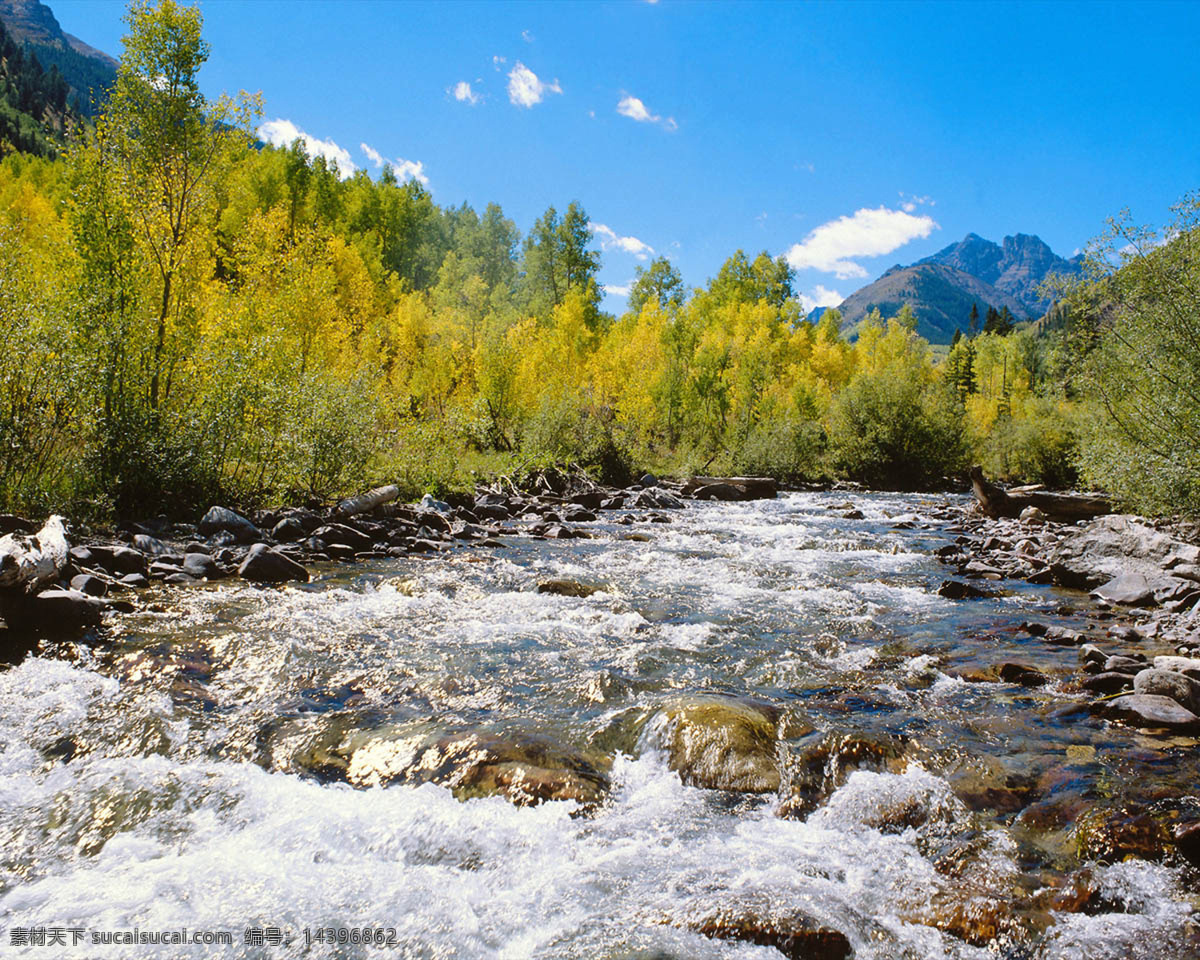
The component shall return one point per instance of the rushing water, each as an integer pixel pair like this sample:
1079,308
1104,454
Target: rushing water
155,785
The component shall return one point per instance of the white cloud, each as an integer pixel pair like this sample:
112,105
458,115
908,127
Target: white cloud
909,202
373,155
527,36
869,233
609,239
635,109
283,133
410,170
525,89
404,169
617,290
820,296
497,60
464,94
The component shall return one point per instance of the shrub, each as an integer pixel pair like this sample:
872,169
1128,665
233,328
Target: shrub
891,432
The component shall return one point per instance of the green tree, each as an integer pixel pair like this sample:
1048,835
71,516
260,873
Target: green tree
660,283
556,260
1137,332
165,144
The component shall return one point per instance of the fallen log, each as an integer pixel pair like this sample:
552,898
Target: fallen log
30,562
731,488
367,501
997,502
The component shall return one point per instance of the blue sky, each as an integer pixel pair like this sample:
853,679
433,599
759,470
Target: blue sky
848,136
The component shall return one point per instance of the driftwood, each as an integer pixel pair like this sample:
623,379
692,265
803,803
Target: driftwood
367,501
997,502
29,563
744,488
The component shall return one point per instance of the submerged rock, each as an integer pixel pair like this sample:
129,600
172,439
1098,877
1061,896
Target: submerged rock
821,767
720,743
1110,834
567,588
526,769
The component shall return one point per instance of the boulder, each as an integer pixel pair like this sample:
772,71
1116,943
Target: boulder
223,520
1189,666
795,935
957,590
92,586
339,533
264,565
719,743
526,769
1148,710
1022,675
820,767
65,611
202,567
287,530
153,547
1129,589
1165,683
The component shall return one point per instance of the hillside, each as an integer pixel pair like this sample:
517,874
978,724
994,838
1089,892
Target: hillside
88,72
941,296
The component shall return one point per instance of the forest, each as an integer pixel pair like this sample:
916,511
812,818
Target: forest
192,316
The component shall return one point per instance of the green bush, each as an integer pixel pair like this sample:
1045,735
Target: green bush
787,449
888,431
1041,447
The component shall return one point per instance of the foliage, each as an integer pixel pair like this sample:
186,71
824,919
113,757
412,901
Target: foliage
1135,334
195,317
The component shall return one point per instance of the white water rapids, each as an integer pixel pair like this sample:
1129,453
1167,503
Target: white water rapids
129,800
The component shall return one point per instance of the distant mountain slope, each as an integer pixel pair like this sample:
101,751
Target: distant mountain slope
88,72
940,295
1017,266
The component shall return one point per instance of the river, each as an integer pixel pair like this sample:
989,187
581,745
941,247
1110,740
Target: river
168,781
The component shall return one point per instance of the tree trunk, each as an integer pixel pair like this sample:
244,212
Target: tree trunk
367,501
1060,507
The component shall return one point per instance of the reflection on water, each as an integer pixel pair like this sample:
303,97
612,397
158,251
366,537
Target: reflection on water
370,749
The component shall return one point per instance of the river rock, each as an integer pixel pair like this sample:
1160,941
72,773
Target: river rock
820,768
527,769
1148,710
1187,842
1165,683
655,498
264,565
1110,834
1129,589
224,520
158,549
65,611
202,567
340,534
957,590
795,935
1108,682
720,743
567,588
1188,666
429,502
118,559
92,586
287,530
1022,675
